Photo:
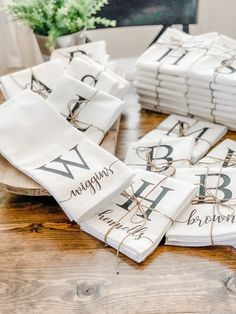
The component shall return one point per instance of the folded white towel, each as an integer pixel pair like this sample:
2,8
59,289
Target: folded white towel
79,174
84,106
204,223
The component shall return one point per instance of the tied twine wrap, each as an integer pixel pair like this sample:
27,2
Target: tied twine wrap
40,89
158,167
75,106
136,208
213,198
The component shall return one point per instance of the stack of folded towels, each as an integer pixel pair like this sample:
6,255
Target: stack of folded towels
189,75
162,70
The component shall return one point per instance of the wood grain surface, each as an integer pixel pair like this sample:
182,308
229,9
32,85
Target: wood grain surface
48,265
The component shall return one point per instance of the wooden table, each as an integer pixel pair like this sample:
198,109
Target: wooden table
48,265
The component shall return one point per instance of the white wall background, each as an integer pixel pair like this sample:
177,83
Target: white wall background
19,48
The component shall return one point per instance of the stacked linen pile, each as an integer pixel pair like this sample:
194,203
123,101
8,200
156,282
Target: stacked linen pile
90,72
162,70
89,110
212,84
94,50
211,219
140,216
38,141
40,79
206,134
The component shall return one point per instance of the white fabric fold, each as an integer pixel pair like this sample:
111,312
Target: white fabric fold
79,174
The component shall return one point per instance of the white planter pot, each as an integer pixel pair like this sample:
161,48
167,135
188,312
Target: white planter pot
61,42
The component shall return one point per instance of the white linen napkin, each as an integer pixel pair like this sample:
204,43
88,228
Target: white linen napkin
206,134
223,155
94,50
40,79
162,155
123,224
88,109
206,223
79,174
92,73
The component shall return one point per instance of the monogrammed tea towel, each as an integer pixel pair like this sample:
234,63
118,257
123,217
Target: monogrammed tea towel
211,219
85,107
79,174
137,221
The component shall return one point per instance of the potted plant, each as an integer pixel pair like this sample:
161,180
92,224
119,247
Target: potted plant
59,23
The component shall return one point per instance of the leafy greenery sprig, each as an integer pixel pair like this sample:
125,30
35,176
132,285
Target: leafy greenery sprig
54,18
